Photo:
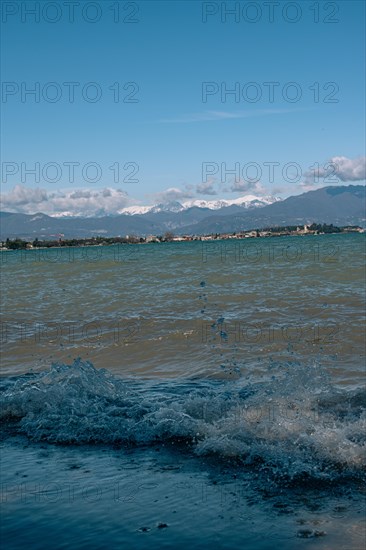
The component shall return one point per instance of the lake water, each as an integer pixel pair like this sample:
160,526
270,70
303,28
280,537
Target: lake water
185,393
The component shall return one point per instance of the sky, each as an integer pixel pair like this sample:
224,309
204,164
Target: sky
151,101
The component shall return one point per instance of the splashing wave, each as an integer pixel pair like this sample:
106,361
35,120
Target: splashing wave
296,424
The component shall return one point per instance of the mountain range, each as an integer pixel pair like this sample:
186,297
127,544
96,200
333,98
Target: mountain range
248,201
341,205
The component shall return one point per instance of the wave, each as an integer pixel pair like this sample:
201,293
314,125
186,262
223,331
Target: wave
293,424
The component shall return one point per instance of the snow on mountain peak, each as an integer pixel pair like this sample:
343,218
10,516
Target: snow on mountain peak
247,201
134,210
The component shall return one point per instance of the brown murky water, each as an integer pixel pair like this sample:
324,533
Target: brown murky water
149,309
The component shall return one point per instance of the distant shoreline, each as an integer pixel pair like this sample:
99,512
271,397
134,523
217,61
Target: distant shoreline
283,231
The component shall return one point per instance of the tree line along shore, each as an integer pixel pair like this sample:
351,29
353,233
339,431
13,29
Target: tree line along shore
289,230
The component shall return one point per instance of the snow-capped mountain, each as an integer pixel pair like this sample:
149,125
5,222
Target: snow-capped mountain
173,206
247,201
136,209
340,205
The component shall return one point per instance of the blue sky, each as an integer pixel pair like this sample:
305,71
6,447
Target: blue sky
169,133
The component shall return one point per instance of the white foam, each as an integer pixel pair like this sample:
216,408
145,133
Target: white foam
293,424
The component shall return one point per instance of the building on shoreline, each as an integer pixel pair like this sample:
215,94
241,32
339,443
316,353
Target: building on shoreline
313,229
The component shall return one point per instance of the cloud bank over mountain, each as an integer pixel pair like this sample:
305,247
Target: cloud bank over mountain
338,169
340,205
111,201
83,202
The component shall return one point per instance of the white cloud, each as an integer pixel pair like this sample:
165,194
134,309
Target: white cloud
335,170
82,202
172,194
21,196
242,186
206,188
225,115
